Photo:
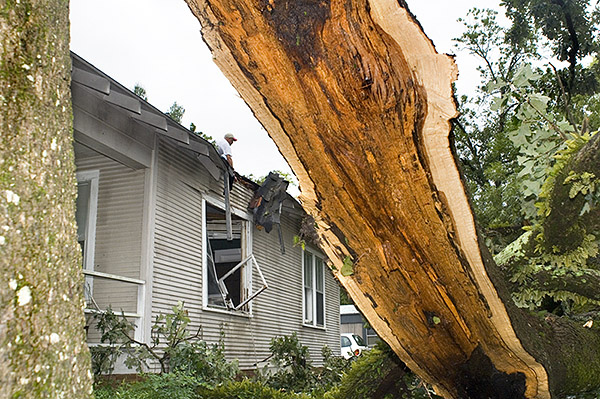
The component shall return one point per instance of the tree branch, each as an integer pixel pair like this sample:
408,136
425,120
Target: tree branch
574,44
565,98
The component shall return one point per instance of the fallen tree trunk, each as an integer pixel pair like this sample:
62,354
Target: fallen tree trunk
359,102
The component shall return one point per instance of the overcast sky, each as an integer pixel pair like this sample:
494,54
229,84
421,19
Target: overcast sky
157,43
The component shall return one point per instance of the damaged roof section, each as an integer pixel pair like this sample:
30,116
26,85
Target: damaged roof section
267,204
129,125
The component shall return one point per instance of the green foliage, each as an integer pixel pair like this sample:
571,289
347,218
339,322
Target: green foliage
205,362
523,266
299,241
519,133
487,154
294,372
332,372
561,157
529,255
584,184
508,132
568,25
290,178
176,112
202,134
535,135
379,374
294,378
247,389
172,346
116,331
345,298
140,92
307,233
293,369
153,386
347,267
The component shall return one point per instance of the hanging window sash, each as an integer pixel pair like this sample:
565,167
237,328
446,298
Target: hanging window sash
225,292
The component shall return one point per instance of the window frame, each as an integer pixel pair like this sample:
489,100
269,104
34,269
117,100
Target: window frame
312,322
89,247
246,246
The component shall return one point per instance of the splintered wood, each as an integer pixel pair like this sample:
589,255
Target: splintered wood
359,102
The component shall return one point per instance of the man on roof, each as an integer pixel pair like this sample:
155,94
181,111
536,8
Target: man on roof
224,147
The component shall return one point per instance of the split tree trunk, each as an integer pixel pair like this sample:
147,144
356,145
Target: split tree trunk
359,102
42,341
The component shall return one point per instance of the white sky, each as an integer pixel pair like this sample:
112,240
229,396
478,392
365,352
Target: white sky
157,43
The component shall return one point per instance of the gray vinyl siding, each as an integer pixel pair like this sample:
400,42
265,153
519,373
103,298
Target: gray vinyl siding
118,244
182,183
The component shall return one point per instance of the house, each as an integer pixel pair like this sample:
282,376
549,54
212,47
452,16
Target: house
156,228
352,321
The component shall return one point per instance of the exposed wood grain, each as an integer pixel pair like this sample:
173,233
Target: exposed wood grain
359,103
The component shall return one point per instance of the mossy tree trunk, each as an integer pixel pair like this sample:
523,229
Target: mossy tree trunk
359,103
42,340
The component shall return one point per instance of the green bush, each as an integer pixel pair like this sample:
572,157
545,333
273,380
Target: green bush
205,362
182,386
153,386
379,374
333,369
294,372
172,346
247,389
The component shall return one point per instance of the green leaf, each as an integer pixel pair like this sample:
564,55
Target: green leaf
523,75
527,169
348,267
519,136
496,104
539,101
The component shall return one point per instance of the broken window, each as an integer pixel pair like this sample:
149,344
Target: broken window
314,290
229,262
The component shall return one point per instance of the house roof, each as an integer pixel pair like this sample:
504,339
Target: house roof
348,309
97,89
94,84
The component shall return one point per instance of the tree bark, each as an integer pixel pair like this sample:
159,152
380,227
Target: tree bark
359,103
564,226
42,342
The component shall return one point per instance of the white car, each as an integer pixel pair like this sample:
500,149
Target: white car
352,345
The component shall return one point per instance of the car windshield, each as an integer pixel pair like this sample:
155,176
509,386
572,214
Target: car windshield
359,340
346,342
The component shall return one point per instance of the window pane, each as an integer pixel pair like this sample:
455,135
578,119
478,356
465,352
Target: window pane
214,293
359,340
82,209
319,274
308,269
320,310
308,305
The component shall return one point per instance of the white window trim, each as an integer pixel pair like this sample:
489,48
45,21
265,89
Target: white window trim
246,251
306,323
93,176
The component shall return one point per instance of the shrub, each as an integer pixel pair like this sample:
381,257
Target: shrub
294,372
332,372
172,346
247,389
153,386
293,369
379,373
205,362
181,386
